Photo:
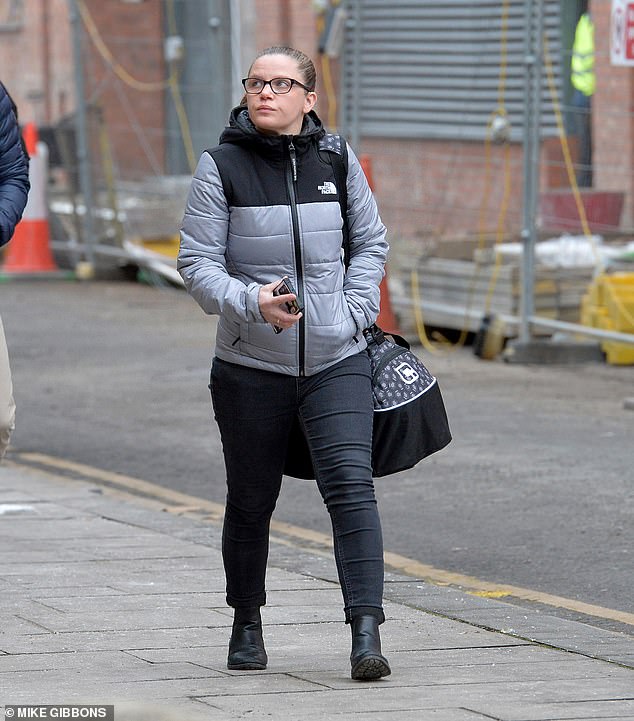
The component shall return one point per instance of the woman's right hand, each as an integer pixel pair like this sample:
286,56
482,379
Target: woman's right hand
273,307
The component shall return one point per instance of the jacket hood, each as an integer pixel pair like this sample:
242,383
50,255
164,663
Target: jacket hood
242,131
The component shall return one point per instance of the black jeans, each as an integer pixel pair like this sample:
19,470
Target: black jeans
255,410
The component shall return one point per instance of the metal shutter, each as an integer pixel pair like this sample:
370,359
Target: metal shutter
424,69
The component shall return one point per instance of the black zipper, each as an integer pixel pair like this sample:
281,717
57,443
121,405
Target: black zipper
291,181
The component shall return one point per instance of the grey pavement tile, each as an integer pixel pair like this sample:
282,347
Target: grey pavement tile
328,595
428,631
212,580
533,623
15,602
12,625
426,595
385,695
147,684
25,557
300,614
18,510
14,495
117,601
41,593
626,717
398,714
411,635
397,612
166,572
265,684
208,656
177,709
47,551
592,711
50,574
585,635
115,640
68,660
515,618
496,655
583,671
625,658
133,620
445,605
72,528
297,583
130,670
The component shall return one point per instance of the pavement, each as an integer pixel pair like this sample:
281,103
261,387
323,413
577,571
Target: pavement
109,595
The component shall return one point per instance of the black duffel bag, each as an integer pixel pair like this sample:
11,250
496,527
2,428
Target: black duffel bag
410,420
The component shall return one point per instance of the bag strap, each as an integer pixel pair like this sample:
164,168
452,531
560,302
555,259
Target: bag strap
334,150
374,334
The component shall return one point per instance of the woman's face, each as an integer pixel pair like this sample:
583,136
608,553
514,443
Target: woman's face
278,114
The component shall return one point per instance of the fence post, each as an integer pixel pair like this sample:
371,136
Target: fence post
534,25
81,125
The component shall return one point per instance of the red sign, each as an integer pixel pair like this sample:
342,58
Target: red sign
622,33
629,31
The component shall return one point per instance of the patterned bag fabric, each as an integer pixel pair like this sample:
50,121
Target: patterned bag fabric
410,420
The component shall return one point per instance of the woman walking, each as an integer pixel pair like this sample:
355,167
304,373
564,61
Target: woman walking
264,206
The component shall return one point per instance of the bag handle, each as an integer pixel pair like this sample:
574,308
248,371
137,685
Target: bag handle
374,334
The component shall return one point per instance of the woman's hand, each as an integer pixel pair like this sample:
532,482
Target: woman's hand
273,307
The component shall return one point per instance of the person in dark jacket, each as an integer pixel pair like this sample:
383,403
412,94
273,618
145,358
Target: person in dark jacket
263,206
14,189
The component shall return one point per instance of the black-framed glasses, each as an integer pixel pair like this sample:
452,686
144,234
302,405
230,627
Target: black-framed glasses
280,86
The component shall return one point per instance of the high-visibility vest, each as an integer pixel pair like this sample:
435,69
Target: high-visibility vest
582,65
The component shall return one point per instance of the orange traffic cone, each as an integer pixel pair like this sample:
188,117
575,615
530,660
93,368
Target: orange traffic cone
29,251
386,320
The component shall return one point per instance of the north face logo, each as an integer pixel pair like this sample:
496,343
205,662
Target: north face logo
328,188
408,374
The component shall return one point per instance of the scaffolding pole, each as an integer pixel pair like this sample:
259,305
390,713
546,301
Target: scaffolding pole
534,23
81,125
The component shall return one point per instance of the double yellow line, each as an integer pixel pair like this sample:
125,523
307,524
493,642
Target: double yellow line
183,504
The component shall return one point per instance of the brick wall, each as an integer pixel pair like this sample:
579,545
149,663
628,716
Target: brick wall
135,118
40,82
38,68
613,118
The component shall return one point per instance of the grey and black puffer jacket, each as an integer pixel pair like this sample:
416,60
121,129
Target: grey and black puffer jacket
261,207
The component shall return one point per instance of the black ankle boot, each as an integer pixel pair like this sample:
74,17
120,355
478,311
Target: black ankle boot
246,647
366,659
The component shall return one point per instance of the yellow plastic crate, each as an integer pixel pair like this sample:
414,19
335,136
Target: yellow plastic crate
165,246
618,353
620,308
609,305
605,286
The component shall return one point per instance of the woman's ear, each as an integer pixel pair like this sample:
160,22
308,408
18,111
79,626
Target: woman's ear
309,102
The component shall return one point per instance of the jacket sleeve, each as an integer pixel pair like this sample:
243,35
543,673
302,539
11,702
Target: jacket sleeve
14,170
202,260
368,248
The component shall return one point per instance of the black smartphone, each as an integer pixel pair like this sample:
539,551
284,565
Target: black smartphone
283,288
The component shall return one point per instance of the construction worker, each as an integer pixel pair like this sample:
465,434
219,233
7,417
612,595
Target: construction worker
583,81
14,188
